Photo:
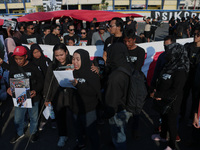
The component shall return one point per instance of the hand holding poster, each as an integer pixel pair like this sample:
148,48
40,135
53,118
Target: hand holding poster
20,89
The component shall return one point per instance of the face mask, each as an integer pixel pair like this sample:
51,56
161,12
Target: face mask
168,53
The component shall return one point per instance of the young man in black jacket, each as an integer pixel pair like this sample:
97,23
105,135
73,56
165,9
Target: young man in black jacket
29,36
18,70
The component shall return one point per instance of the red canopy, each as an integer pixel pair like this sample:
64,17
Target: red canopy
86,15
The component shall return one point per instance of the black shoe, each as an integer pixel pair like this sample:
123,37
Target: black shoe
16,138
34,137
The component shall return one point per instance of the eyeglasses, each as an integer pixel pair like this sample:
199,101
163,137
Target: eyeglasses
71,29
83,33
110,26
32,28
58,29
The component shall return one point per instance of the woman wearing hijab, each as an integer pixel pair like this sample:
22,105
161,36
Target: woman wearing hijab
86,98
169,89
39,59
57,95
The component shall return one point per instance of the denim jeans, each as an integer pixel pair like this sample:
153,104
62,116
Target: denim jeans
117,125
19,118
86,123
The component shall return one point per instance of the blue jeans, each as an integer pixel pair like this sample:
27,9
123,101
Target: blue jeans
117,124
86,123
20,117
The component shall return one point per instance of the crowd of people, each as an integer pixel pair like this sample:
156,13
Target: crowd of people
101,88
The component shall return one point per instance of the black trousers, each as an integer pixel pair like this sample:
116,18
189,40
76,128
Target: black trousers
169,123
61,120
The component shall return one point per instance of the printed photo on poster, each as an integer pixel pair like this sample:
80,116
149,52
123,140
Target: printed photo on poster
8,23
20,89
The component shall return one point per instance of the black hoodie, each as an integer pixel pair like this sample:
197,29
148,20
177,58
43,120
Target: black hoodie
43,62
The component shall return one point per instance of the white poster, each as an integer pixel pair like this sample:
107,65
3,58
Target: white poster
20,89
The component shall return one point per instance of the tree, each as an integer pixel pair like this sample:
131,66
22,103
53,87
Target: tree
104,5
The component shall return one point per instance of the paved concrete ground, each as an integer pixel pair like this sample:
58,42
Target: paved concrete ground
48,137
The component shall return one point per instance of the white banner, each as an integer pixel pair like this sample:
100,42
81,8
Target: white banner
152,49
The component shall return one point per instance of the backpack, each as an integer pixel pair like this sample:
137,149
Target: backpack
137,91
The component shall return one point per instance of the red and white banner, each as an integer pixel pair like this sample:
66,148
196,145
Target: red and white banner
153,50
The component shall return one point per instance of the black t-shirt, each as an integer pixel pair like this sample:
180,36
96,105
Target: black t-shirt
131,26
137,56
34,38
51,39
184,26
75,37
85,41
112,39
36,82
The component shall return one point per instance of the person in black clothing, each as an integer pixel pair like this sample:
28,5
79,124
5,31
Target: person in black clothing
91,31
116,28
52,38
193,50
136,53
136,59
56,95
65,25
154,26
183,29
131,24
116,94
39,59
71,34
46,30
29,37
169,89
19,70
42,62
172,23
84,39
86,98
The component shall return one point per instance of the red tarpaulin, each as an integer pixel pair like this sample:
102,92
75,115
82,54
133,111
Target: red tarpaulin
86,15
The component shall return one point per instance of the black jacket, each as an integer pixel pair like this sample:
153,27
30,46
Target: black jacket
170,86
53,92
25,38
51,39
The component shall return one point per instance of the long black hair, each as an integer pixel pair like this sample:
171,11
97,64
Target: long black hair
63,47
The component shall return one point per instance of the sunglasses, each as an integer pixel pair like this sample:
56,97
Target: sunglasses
111,26
58,29
32,28
71,29
83,33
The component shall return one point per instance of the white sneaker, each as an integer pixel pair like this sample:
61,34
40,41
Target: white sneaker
62,140
41,127
156,137
168,148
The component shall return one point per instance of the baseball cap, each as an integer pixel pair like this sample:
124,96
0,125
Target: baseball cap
19,51
102,26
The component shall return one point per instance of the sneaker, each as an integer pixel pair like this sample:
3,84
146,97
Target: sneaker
61,141
156,137
178,139
16,138
41,127
34,137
